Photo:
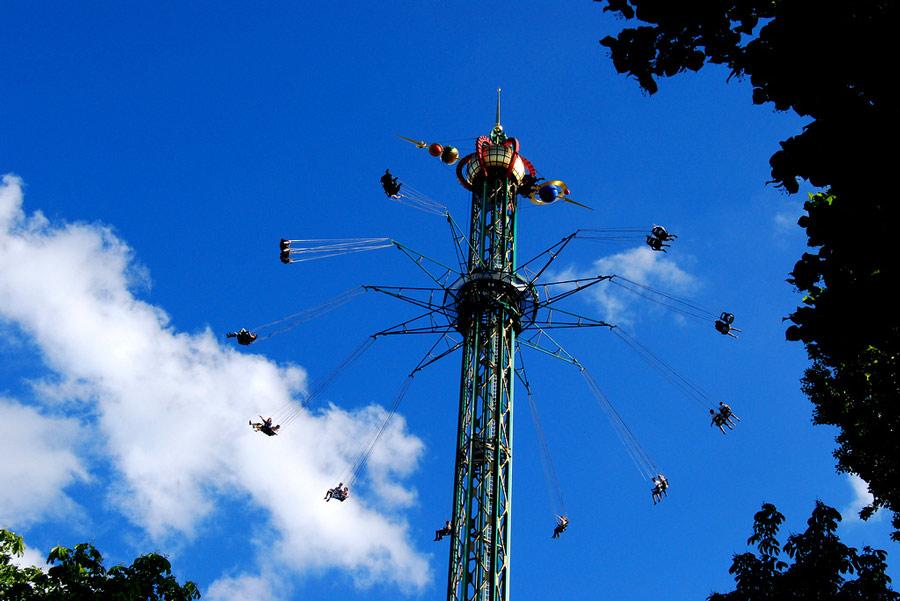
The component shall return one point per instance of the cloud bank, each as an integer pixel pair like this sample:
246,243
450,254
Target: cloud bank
244,587
40,459
168,411
640,265
861,498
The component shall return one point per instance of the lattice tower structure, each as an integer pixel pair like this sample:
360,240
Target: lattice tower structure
491,303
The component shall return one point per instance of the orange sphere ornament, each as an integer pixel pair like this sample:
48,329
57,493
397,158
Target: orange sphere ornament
435,150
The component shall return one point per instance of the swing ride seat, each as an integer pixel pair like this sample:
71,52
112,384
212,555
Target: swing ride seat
337,493
722,327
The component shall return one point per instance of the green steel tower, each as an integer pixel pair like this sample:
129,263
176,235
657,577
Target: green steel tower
489,301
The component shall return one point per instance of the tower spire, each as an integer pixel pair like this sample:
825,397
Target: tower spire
497,135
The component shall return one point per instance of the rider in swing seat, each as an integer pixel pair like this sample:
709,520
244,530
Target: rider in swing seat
339,492
244,336
390,184
562,522
445,531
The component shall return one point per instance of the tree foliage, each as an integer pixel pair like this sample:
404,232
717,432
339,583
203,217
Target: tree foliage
78,574
820,569
830,62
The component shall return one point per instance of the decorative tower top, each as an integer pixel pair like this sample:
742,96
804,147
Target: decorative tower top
497,155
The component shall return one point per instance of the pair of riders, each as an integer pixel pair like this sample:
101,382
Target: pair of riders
265,426
660,486
339,492
723,418
658,237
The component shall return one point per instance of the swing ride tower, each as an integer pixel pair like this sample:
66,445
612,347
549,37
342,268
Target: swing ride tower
490,302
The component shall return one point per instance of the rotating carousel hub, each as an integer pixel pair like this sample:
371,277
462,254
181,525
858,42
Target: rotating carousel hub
478,293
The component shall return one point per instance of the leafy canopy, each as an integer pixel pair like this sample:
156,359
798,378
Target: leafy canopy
831,62
78,574
821,564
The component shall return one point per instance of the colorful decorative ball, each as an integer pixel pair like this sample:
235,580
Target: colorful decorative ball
450,155
549,194
435,150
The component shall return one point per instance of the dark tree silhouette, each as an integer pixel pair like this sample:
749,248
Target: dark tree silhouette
829,61
78,574
821,564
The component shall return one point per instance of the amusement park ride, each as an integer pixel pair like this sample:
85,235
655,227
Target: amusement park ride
491,306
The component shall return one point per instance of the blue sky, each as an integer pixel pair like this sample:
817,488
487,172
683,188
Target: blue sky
158,152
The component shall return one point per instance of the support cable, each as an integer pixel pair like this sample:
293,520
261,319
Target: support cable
674,303
551,479
642,462
691,390
363,458
621,234
417,199
289,322
645,466
429,358
299,251
290,412
610,230
408,201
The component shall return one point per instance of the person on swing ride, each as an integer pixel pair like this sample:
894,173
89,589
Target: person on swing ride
265,426
339,492
660,485
723,325
659,232
658,237
390,184
656,244
727,414
445,531
244,336
562,522
718,421
285,246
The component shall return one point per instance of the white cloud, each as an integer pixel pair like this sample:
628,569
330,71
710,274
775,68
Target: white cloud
861,498
40,460
640,265
170,409
29,558
244,587
785,222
